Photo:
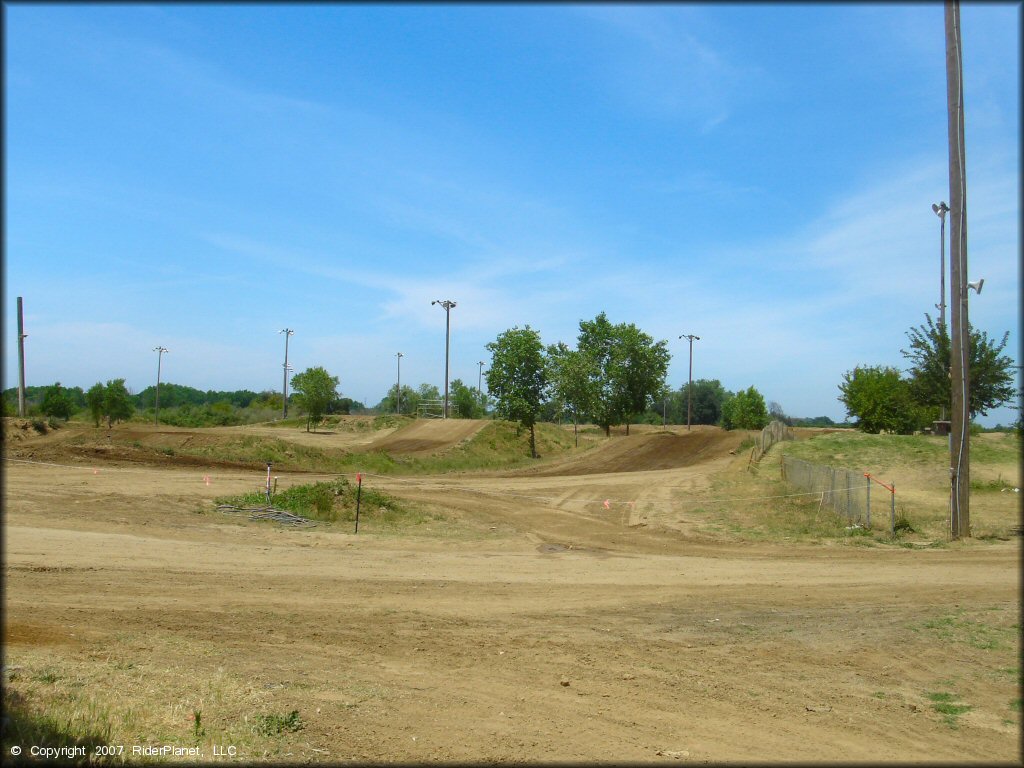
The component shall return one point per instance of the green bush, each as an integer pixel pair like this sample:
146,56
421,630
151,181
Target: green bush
745,410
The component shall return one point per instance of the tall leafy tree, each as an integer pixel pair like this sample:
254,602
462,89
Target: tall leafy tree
991,372
57,403
625,367
316,389
595,344
466,401
570,378
641,366
117,403
410,400
879,399
517,378
707,400
94,401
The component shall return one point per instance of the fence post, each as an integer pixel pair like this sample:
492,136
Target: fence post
831,488
849,494
868,502
359,496
892,509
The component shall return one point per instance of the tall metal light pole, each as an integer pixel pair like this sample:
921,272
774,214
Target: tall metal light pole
447,305
159,358
21,359
284,387
959,444
398,386
689,381
480,378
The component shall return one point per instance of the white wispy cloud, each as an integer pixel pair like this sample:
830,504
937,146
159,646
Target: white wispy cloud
659,63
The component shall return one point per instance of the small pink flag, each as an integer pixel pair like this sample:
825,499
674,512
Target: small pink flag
607,504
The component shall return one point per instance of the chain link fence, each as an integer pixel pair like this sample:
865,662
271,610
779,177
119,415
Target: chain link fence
775,432
846,491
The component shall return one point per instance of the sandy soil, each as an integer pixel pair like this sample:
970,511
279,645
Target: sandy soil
551,616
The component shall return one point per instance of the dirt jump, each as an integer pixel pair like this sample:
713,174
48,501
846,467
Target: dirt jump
426,435
581,610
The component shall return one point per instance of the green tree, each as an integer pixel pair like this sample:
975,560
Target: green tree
466,401
745,410
708,398
639,370
571,379
517,378
625,368
879,399
57,403
94,401
315,390
390,404
117,403
991,372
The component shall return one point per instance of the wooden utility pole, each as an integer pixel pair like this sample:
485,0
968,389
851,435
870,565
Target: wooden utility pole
21,359
959,442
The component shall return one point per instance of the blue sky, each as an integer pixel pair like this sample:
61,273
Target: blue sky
200,177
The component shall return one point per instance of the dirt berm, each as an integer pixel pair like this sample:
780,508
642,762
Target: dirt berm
643,452
425,435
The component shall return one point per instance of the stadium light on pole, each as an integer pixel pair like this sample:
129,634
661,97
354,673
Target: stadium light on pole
689,381
480,378
284,386
398,386
447,305
159,358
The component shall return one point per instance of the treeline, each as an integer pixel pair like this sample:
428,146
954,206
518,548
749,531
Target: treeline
180,405
615,374
880,398
463,402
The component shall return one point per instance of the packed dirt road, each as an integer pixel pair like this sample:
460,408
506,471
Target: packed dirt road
524,621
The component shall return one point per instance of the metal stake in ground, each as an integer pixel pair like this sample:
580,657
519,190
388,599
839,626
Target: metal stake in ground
359,495
268,482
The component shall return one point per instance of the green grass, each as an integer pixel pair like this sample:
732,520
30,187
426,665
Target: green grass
943,702
85,727
497,446
335,502
990,486
276,725
854,450
956,628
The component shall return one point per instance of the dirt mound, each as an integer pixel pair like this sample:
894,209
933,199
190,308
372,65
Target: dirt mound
639,453
428,435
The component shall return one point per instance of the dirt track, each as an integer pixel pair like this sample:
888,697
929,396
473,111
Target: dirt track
534,623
